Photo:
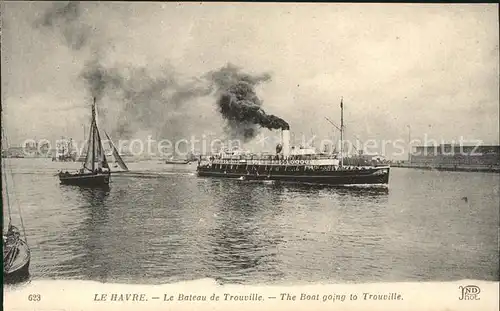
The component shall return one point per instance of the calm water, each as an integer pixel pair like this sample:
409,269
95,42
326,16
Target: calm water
166,224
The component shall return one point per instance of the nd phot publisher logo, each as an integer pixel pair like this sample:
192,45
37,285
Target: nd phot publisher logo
469,292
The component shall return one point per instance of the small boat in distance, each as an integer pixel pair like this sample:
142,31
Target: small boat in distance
90,175
177,161
16,252
188,159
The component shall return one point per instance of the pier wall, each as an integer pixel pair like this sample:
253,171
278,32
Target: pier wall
473,160
451,167
455,158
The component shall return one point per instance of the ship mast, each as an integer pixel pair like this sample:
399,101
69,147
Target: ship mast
4,169
98,136
93,125
341,132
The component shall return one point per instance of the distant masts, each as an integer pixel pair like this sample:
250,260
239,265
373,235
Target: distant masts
341,131
409,143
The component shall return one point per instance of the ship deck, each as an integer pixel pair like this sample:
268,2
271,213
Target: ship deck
311,163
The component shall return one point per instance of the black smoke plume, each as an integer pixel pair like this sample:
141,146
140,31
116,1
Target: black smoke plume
65,17
153,99
98,79
142,98
156,100
239,104
146,99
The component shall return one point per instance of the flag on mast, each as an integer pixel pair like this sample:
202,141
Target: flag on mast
341,104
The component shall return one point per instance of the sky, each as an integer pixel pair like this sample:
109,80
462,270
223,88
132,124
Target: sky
429,67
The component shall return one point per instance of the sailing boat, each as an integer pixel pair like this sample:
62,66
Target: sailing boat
177,161
90,175
116,154
16,252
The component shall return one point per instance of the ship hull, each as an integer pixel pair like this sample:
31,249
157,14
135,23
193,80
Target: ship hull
19,271
375,176
85,180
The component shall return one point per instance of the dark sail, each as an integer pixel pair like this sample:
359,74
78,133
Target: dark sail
100,153
116,155
87,164
95,151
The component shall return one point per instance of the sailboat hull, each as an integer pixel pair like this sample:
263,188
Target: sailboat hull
19,270
85,180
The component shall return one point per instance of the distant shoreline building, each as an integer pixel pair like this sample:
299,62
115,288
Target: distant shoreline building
29,150
456,155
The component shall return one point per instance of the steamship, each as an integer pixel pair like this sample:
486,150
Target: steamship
299,165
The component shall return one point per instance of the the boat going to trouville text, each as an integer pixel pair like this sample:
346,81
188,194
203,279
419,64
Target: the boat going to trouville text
300,165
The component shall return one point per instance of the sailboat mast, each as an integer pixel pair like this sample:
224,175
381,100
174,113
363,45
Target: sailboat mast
96,114
4,169
93,125
4,164
4,137
341,132
98,137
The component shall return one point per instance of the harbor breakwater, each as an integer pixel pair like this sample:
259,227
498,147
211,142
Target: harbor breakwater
451,167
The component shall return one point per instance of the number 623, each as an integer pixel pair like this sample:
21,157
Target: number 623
34,297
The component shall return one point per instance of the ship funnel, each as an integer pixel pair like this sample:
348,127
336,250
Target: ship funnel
285,136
